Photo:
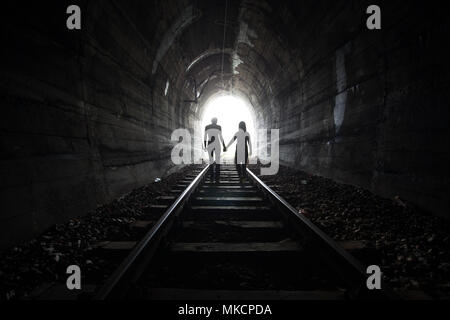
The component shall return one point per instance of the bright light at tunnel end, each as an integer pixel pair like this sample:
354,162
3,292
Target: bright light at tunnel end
230,111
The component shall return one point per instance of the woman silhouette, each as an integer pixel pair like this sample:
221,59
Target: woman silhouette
244,145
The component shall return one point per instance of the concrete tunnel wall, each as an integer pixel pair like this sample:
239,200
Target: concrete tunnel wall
84,119
87,115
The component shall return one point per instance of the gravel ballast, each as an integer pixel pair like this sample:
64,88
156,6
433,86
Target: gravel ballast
42,262
411,246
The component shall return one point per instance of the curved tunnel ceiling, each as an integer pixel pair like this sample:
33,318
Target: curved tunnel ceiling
245,55
359,106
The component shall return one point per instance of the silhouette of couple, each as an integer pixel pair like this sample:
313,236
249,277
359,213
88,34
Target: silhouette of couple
213,140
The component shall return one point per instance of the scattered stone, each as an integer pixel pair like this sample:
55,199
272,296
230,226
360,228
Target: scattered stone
412,246
44,260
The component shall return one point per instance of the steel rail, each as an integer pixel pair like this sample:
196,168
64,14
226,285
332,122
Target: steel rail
123,276
351,270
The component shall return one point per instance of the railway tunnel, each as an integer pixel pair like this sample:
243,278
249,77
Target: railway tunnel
88,114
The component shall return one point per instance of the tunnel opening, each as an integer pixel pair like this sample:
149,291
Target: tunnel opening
358,118
230,110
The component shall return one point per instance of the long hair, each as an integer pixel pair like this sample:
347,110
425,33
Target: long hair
243,126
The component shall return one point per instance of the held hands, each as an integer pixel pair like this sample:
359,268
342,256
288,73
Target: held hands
205,149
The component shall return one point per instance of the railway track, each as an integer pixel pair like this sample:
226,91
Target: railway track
233,241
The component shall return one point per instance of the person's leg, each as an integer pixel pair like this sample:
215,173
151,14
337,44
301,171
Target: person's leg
218,160
244,166
211,162
218,172
241,172
236,164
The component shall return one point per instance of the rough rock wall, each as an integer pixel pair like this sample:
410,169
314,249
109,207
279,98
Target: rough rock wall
83,119
372,106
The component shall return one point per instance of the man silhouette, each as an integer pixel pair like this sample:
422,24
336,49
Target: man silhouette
213,139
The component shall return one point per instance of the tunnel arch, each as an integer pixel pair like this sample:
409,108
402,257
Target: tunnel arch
111,94
267,58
